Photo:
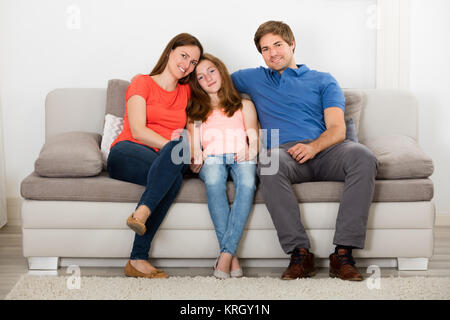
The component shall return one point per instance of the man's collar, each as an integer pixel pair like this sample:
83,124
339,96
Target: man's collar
301,68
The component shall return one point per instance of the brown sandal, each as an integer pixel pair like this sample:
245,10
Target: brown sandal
130,271
136,225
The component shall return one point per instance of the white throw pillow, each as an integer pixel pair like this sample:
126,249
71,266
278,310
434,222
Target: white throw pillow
113,127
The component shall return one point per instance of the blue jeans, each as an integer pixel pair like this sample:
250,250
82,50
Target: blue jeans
228,223
162,178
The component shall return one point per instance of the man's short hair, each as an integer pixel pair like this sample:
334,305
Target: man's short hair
276,27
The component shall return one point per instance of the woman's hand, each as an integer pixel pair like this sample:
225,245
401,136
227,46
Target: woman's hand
197,161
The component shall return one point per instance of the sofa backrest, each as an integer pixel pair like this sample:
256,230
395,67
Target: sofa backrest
387,112
75,109
384,112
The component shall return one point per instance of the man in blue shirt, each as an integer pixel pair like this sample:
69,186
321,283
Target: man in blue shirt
307,108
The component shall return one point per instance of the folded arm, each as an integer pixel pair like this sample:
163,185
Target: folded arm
137,117
334,134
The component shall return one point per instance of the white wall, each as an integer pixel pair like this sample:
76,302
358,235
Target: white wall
41,49
3,213
430,82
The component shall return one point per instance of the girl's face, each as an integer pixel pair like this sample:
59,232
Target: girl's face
182,60
208,76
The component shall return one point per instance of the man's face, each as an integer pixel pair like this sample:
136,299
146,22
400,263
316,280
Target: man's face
277,53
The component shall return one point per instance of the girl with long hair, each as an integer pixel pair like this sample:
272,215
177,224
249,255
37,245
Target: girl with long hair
223,129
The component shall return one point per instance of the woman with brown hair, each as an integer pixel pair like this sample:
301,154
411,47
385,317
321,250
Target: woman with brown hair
155,115
224,140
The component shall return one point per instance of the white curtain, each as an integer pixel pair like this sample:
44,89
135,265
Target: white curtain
3,215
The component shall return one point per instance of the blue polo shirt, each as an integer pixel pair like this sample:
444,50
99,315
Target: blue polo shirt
293,102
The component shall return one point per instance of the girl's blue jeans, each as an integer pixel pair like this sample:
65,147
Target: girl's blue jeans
228,222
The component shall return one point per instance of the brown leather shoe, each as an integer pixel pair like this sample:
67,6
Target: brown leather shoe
301,265
342,266
130,271
136,225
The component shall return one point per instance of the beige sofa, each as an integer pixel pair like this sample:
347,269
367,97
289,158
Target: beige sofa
75,217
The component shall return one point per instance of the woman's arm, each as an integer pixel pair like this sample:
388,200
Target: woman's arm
137,117
251,127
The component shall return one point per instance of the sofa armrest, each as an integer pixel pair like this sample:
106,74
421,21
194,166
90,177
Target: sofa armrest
399,157
70,154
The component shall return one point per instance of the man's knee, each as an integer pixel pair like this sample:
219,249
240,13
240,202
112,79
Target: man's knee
363,157
273,165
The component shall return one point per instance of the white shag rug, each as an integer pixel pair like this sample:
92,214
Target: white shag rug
210,288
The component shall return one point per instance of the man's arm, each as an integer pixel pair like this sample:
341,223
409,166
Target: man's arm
335,133
239,81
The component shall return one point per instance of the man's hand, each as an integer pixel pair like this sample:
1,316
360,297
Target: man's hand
303,152
335,133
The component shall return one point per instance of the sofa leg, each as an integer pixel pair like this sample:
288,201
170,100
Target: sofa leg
43,263
412,264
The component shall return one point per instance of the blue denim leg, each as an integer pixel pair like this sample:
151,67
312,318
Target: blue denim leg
129,161
244,178
214,174
141,245
164,171
162,177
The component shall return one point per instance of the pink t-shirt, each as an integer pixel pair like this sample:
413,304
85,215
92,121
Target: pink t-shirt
221,134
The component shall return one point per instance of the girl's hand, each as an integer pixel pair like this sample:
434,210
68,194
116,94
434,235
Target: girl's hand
245,155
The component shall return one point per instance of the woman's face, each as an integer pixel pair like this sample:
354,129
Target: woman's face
208,76
182,60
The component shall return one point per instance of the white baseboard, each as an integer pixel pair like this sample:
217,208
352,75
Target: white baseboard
442,220
183,263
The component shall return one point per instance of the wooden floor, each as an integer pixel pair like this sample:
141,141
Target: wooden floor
13,265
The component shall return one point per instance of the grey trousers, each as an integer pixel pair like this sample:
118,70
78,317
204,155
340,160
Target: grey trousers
350,162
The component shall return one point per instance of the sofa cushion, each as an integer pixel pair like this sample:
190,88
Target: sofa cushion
115,97
114,113
70,154
353,106
103,188
113,127
399,157
351,133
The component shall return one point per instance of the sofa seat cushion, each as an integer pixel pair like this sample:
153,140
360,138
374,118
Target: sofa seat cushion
103,188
